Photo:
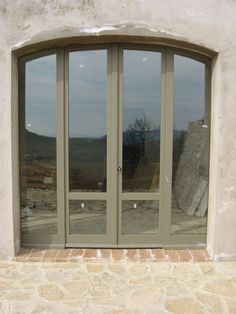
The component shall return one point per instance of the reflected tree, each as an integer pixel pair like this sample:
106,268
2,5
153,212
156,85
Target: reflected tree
140,136
141,155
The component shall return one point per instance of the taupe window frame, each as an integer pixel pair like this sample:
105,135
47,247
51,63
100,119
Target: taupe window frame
113,238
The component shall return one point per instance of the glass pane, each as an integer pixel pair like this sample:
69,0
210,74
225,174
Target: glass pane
88,217
141,121
190,149
38,148
140,217
87,120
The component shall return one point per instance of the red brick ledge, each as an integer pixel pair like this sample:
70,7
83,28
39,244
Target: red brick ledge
112,255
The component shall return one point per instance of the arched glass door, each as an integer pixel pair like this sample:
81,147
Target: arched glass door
114,147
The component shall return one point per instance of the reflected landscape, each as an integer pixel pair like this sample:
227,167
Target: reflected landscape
38,185
38,148
141,121
88,121
88,164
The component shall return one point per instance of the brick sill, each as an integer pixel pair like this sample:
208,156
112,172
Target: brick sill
112,255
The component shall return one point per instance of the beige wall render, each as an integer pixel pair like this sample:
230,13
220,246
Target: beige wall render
206,23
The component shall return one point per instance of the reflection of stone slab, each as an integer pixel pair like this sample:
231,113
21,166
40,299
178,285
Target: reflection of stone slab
192,168
48,180
202,208
197,196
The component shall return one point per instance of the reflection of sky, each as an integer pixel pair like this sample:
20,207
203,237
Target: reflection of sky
40,95
141,86
189,91
88,88
87,93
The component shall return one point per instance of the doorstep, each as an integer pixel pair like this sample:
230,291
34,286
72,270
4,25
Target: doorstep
112,255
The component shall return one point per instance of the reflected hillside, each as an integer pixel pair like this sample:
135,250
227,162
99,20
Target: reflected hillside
87,163
38,146
87,160
38,161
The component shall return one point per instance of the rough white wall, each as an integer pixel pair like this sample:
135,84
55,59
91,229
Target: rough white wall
210,23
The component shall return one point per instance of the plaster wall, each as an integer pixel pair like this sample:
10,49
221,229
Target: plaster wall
207,23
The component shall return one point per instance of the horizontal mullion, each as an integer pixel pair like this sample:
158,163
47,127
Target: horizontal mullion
140,196
39,238
91,239
178,238
87,196
91,245
140,240
186,241
140,245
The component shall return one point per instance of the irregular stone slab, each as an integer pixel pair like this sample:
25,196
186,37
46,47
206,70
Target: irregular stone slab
123,312
94,268
208,269
202,185
117,269
143,281
50,292
227,267
77,288
58,275
150,295
231,306
18,295
4,285
211,302
138,270
184,306
202,208
183,270
224,287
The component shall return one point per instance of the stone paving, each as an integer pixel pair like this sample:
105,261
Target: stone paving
116,285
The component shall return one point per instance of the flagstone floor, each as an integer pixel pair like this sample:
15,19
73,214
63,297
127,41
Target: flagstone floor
124,284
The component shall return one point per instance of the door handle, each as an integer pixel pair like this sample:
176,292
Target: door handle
119,169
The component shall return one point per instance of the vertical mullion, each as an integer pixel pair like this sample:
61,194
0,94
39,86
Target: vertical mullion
112,144
66,141
208,146
208,106
119,140
167,175
162,208
60,146
21,132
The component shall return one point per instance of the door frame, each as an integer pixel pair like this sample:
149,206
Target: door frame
141,240
110,196
114,97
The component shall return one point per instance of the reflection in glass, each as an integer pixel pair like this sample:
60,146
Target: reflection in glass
140,217
190,149
87,120
38,148
141,121
87,217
